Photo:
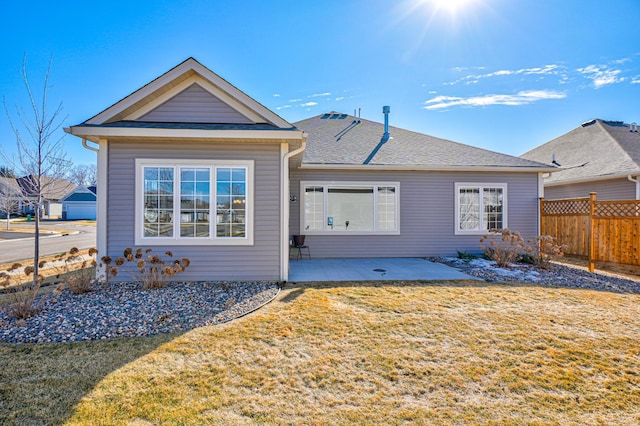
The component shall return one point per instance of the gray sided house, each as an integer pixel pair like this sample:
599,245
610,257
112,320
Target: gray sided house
599,156
367,189
189,163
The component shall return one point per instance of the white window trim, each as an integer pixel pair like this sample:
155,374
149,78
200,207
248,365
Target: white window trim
480,186
348,184
176,240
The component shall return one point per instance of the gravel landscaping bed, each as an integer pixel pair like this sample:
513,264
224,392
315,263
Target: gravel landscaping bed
126,310
556,276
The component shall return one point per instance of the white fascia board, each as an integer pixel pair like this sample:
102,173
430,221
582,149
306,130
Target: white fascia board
425,168
91,133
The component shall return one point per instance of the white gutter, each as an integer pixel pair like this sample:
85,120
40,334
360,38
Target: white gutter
90,148
637,182
414,167
284,204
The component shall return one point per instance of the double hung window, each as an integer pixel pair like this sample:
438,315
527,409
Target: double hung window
194,203
480,207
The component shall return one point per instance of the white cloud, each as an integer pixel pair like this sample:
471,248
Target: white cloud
283,107
316,95
521,98
635,80
295,100
309,104
474,78
339,98
276,95
601,76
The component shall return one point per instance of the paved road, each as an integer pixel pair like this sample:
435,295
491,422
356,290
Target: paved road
21,249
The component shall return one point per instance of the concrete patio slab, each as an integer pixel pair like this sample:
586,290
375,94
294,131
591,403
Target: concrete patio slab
371,269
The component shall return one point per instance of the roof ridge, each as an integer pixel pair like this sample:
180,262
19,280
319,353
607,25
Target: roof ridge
602,123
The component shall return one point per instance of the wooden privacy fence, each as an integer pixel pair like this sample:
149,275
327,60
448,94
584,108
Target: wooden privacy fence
606,231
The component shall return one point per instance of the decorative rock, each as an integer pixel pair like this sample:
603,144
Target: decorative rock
126,310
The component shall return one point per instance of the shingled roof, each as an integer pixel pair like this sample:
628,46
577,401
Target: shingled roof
597,149
338,139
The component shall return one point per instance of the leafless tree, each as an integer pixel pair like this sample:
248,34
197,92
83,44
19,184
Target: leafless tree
11,198
83,174
41,155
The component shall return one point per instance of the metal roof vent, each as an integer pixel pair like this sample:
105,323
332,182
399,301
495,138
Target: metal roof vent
386,110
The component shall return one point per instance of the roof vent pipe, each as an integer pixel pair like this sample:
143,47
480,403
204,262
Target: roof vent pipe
386,110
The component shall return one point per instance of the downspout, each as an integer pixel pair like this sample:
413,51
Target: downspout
101,210
284,205
90,148
637,182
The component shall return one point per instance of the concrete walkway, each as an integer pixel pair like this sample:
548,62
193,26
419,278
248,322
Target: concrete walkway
372,269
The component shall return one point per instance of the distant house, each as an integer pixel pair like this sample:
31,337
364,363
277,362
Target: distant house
598,156
53,190
80,203
11,199
23,191
189,163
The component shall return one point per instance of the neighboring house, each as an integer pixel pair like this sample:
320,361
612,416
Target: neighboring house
11,199
80,203
189,163
24,188
599,156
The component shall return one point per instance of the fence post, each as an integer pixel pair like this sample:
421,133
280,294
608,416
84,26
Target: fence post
541,228
592,236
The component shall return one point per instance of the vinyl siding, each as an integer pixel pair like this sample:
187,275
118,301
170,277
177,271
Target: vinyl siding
260,261
195,105
427,213
614,189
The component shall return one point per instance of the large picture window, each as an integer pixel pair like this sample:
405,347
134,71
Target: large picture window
480,207
194,203
362,208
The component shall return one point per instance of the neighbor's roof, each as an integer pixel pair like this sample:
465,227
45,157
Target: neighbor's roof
8,186
596,150
52,188
81,196
342,140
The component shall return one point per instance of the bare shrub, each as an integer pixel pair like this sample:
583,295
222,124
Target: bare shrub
21,297
78,273
542,251
502,246
506,247
153,270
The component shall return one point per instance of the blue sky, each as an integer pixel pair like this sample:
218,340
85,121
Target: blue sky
505,75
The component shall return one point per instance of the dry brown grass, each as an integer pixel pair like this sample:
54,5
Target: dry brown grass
364,353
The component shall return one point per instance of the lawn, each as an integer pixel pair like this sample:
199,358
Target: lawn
354,353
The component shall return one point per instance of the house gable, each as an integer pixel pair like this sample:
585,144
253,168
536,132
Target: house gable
196,105
175,91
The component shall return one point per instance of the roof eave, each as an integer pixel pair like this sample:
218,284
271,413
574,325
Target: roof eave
592,179
94,133
420,167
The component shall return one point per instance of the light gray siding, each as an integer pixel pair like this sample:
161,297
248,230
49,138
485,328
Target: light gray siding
427,213
195,105
260,261
613,189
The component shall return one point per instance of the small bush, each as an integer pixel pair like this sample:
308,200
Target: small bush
506,247
463,255
80,279
22,297
152,270
503,246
